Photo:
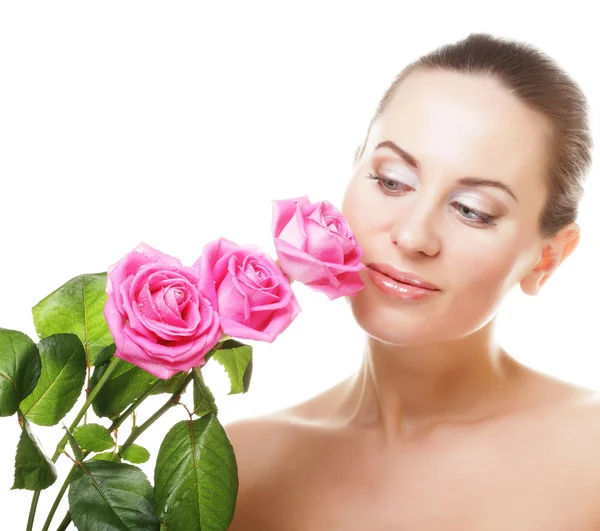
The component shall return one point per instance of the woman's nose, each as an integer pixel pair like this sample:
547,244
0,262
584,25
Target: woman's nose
416,232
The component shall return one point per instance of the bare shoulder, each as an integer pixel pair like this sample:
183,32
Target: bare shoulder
574,404
269,450
264,449
258,441
575,421
582,446
572,408
585,421
262,441
274,435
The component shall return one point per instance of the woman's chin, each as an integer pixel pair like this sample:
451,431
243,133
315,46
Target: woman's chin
389,326
406,324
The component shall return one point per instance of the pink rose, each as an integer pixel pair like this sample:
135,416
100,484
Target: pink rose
316,246
254,298
158,316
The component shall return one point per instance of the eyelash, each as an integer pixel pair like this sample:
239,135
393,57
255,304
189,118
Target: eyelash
484,219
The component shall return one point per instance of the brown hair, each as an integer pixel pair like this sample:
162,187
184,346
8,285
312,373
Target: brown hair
545,87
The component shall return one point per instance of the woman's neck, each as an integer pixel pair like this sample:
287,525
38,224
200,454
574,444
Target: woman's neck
402,391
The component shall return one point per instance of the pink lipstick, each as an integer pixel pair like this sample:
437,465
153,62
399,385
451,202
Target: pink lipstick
400,284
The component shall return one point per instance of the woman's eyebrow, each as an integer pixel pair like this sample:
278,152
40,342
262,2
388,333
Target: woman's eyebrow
477,181
465,181
408,158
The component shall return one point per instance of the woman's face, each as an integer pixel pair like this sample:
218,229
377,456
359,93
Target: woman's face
475,242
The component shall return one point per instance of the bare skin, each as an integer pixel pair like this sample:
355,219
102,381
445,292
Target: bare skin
533,466
440,429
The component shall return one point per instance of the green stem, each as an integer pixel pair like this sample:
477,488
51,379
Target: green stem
34,502
135,433
32,510
59,497
114,363
173,401
65,523
61,445
118,421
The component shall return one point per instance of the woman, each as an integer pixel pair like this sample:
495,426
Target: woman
470,177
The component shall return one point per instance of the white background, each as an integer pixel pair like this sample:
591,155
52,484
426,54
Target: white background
179,122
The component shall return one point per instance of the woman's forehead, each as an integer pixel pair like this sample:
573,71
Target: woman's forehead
462,121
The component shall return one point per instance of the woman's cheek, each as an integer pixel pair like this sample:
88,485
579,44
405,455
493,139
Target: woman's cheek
360,213
352,202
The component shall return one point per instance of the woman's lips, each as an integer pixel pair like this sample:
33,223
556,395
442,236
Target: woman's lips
404,277
398,289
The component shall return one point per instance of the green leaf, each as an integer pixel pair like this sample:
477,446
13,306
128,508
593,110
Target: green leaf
236,359
116,496
61,381
76,307
74,445
33,470
204,401
134,453
124,387
108,456
196,477
170,385
93,437
105,355
19,369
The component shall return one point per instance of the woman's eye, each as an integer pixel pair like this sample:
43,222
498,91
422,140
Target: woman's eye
479,218
470,215
391,185
466,211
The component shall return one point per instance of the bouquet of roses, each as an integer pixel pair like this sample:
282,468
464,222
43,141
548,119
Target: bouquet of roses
147,326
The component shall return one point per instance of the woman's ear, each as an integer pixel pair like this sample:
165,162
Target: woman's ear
553,254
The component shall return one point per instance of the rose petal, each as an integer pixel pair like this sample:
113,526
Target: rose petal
300,256
322,244
168,308
294,232
279,322
205,266
349,285
157,316
176,354
282,212
114,319
232,303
